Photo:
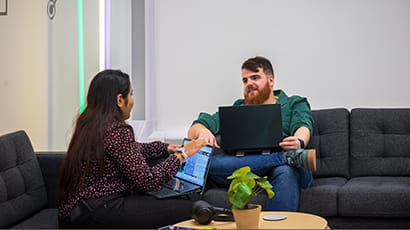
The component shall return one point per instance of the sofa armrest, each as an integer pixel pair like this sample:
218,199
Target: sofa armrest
50,164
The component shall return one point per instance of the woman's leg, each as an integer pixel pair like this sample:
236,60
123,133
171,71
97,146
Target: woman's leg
142,211
138,211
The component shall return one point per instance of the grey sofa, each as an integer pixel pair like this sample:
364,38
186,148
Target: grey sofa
363,169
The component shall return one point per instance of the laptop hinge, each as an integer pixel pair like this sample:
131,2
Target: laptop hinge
266,152
240,154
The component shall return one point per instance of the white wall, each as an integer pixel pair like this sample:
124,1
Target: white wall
121,35
64,66
39,69
338,53
39,65
23,70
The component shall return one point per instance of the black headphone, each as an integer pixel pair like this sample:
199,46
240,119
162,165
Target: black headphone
204,213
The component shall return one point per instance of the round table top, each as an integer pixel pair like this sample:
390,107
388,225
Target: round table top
294,220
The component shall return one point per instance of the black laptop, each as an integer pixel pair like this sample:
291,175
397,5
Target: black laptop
190,178
251,128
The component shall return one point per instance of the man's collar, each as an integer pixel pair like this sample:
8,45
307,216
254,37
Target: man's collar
283,98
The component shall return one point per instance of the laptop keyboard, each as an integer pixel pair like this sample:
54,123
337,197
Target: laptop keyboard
165,192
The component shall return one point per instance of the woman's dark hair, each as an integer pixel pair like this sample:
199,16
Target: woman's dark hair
86,147
253,64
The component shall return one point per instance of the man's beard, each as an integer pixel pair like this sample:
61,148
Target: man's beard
262,95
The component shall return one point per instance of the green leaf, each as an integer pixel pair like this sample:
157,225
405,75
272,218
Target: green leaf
246,184
240,197
250,182
241,173
264,183
251,175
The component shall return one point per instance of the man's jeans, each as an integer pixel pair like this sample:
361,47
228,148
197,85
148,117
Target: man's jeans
286,180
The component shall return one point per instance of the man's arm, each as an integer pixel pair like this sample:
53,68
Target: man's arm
199,131
292,142
304,134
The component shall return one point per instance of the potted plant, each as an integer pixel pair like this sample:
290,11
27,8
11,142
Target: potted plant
243,187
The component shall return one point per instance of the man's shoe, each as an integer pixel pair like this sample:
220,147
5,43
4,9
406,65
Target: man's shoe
304,158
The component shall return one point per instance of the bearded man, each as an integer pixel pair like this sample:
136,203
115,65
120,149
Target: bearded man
289,170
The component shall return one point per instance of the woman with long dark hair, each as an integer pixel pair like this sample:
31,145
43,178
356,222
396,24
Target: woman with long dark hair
105,172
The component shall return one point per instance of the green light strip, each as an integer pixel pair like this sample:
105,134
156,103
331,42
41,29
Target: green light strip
81,55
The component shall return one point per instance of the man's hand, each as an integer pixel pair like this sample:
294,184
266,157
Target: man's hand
194,146
290,143
208,137
198,131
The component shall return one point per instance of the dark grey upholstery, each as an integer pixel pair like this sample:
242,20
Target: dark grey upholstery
44,219
22,189
380,142
23,193
375,197
330,138
50,164
321,199
380,165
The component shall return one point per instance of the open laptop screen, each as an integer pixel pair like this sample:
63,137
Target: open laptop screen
250,127
194,168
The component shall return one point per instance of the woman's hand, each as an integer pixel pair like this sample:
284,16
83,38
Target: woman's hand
172,148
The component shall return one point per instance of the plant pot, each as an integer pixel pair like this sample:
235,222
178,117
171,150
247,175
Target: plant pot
247,218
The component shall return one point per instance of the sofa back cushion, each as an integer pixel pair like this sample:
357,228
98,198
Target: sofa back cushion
330,138
380,142
22,189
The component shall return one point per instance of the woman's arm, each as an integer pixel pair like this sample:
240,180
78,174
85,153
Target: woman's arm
130,159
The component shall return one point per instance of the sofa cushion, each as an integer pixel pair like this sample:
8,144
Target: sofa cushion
330,138
322,197
22,189
45,219
375,197
380,142
50,165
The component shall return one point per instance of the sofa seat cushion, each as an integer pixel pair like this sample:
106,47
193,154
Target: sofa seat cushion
375,197
22,189
45,219
321,198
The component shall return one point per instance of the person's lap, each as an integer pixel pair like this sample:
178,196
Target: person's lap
286,180
138,211
222,165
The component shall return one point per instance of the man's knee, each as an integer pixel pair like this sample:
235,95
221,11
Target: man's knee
284,172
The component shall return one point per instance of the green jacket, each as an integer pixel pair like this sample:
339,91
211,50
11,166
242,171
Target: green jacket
296,113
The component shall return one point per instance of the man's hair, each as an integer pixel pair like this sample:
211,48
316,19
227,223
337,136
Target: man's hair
253,64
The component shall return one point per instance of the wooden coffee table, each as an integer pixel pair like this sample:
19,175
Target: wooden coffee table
294,220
